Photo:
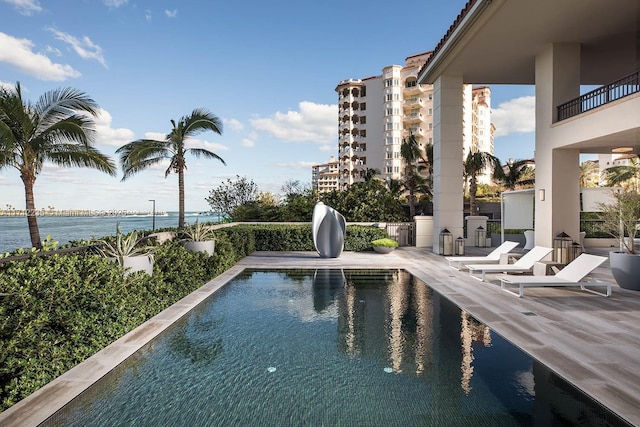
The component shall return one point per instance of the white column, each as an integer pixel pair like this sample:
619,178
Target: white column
447,153
557,81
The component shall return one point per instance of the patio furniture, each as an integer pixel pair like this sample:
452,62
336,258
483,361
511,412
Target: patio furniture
529,240
571,275
523,265
458,262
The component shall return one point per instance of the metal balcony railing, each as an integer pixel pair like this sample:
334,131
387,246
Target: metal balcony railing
601,96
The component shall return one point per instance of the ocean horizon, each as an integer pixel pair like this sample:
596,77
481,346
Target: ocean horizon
14,231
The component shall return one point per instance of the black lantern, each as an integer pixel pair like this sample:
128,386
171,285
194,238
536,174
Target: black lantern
561,244
574,251
481,237
459,246
446,242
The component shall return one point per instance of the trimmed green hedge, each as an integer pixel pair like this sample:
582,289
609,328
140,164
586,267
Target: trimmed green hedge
56,311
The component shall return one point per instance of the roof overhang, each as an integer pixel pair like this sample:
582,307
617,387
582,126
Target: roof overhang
497,41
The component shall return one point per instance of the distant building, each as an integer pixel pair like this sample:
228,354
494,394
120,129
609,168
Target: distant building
324,177
376,113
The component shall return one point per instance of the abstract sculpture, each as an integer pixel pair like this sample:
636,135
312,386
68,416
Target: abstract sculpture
329,228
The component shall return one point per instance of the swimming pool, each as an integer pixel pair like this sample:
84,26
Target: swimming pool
330,347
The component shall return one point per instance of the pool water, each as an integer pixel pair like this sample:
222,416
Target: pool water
330,348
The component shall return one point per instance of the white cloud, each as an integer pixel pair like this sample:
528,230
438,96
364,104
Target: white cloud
26,7
84,47
247,143
53,50
106,135
233,124
171,13
115,3
18,53
147,15
312,123
515,116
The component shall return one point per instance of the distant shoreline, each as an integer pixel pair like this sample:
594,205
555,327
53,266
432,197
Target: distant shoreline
78,212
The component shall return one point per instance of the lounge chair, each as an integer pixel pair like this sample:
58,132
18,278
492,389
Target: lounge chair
571,275
523,265
456,262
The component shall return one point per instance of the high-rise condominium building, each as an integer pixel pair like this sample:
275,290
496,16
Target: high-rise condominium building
324,177
376,113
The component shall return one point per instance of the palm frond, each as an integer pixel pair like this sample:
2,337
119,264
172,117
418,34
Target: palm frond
207,154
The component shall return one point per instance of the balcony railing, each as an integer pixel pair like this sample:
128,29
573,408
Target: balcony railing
601,96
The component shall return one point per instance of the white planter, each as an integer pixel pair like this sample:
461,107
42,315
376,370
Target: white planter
131,264
207,246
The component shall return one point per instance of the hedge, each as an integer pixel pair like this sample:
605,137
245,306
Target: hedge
56,311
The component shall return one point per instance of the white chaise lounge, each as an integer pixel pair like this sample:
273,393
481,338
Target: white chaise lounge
523,265
458,262
571,275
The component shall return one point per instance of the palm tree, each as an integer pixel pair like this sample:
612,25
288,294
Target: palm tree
475,164
59,128
627,176
589,170
411,154
143,153
370,174
514,174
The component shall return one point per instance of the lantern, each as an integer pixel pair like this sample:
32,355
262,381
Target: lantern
481,237
561,244
574,251
459,246
446,242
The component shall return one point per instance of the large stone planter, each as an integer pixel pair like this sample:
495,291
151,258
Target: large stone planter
207,246
625,269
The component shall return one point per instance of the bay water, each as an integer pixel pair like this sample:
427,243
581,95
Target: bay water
14,231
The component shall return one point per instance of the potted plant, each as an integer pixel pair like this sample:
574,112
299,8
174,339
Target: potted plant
620,220
384,246
130,251
200,238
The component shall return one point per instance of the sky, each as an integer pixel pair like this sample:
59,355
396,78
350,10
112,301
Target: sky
268,70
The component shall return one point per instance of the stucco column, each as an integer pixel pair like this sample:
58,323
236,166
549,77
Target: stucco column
447,157
557,170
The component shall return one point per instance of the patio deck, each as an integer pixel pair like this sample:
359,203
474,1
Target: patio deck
591,341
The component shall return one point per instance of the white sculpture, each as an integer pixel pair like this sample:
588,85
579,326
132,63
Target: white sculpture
329,228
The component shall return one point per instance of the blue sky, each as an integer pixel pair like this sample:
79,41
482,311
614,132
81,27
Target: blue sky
267,69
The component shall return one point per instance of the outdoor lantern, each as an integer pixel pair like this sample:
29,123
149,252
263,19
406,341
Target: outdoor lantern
561,244
574,251
459,246
446,242
481,237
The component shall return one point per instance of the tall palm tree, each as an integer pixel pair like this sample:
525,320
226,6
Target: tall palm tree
143,153
514,174
476,163
58,128
411,154
627,176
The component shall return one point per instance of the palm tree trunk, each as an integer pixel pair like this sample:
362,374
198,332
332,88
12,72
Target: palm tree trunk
34,232
412,208
473,189
181,198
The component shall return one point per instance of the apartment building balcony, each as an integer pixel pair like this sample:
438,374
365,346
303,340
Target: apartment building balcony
604,120
415,131
601,96
413,118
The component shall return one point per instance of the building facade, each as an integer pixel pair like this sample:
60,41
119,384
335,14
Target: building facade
376,113
324,177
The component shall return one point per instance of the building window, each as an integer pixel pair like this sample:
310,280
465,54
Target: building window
430,126
430,96
389,111
389,169
431,111
388,155
389,97
396,169
363,119
363,133
363,91
388,140
389,126
388,83
363,106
